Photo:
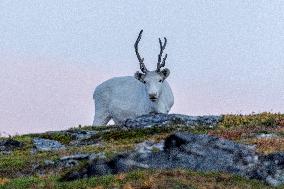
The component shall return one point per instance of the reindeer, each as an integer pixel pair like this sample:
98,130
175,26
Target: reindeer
121,98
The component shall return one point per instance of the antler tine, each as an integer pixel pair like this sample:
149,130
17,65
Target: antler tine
164,61
162,48
141,60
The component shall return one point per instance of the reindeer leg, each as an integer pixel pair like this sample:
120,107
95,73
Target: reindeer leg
101,119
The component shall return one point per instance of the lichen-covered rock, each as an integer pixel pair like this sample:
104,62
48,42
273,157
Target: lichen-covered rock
67,162
74,137
75,157
196,152
96,156
208,153
81,134
7,145
151,120
270,169
72,160
149,147
41,144
266,136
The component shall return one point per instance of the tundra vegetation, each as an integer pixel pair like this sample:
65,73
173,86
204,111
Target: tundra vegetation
265,131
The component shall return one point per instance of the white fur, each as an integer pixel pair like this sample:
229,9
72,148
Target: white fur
121,98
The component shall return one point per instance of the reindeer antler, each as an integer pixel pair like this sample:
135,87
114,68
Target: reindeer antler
162,48
142,65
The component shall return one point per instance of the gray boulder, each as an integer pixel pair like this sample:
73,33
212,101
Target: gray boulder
270,169
7,145
195,152
67,162
151,120
78,137
41,144
75,157
149,147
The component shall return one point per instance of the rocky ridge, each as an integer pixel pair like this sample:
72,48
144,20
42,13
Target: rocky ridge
192,151
181,149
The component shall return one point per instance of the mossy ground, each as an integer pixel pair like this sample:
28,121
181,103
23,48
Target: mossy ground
240,128
142,179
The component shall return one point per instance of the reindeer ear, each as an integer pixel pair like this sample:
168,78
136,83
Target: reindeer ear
165,73
139,76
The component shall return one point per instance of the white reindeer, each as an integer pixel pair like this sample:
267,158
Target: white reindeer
121,98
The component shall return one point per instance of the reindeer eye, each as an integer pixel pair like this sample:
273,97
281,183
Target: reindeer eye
160,81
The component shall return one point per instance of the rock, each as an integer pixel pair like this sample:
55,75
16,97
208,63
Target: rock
75,157
73,160
7,145
67,162
49,163
149,147
195,152
84,142
6,152
266,136
151,120
41,144
80,134
203,153
95,156
78,137
81,137
270,169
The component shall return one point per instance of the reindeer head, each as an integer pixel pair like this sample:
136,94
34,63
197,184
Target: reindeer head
153,80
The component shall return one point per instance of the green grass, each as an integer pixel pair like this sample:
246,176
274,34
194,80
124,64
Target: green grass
254,120
142,179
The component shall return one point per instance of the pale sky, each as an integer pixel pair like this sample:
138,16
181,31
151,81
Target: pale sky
224,56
